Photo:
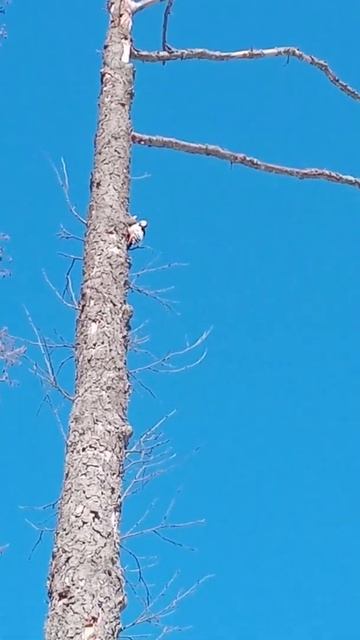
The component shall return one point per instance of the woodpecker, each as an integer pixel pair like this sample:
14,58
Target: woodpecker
136,233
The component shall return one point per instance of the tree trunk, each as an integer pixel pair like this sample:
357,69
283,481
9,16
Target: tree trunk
86,587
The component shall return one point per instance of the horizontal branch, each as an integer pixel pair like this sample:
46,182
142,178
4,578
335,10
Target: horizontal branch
243,159
248,54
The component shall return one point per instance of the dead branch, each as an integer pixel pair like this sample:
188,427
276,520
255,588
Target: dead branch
167,14
64,234
70,256
137,340
141,177
63,180
48,399
51,345
155,294
162,267
42,530
220,153
47,375
145,474
150,438
171,54
69,289
164,364
151,451
157,529
143,459
139,569
41,507
155,612
61,296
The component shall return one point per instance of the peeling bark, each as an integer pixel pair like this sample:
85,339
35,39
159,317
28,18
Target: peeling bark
86,587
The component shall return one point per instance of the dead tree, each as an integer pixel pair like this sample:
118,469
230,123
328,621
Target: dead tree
86,585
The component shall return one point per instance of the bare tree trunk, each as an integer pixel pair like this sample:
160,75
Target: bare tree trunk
86,587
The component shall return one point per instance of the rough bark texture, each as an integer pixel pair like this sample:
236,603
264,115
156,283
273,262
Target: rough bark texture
86,588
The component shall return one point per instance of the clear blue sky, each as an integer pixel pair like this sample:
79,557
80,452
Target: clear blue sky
274,266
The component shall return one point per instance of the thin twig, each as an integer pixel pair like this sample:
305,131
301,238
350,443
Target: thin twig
72,305
154,616
141,177
167,14
164,364
140,573
63,180
248,54
154,294
41,530
47,375
213,151
42,507
162,267
64,234
164,526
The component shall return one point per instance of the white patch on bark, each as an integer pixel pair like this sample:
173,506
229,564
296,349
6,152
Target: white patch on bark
93,329
89,633
126,20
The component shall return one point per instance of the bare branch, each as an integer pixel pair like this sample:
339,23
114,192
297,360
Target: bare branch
164,364
63,180
162,267
240,158
41,531
137,340
151,434
139,5
74,303
154,607
155,294
70,256
139,569
248,54
47,375
141,177
48,399
42,507
165,526
64,234
167,14
69,289
155,612
143,460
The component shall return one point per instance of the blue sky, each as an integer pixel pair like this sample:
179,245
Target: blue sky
273,266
